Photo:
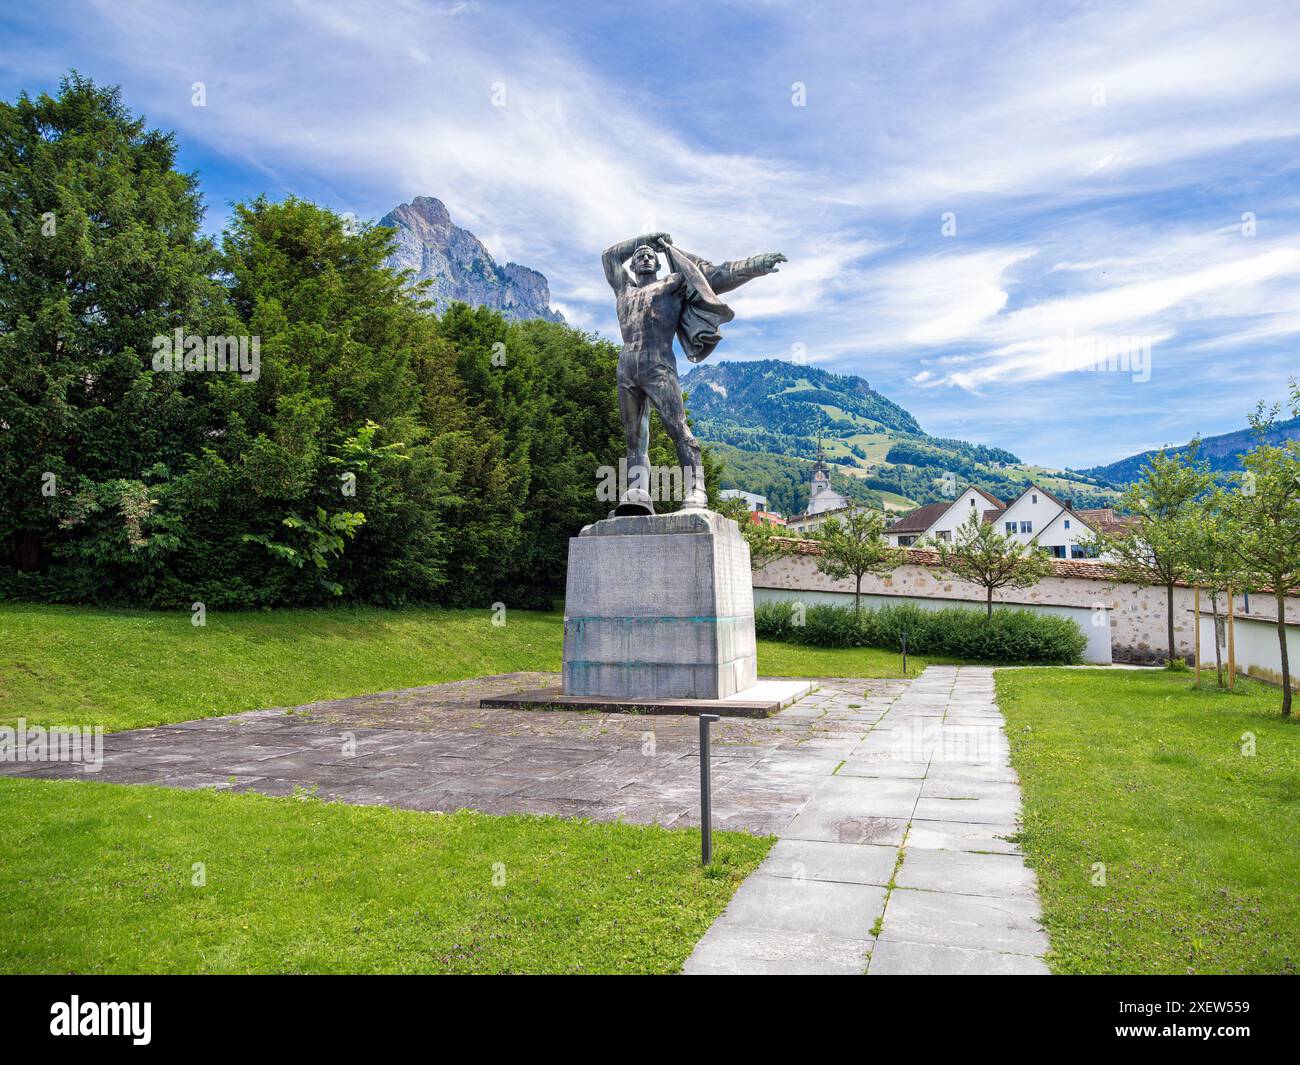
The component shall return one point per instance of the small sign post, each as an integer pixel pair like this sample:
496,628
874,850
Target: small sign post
902,640
706,800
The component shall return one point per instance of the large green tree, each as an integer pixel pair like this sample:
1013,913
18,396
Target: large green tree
101,252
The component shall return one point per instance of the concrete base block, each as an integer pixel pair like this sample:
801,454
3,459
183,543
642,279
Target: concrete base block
659,607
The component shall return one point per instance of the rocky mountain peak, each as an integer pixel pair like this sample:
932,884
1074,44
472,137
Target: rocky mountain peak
459,267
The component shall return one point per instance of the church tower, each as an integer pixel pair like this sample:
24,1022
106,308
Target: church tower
821,496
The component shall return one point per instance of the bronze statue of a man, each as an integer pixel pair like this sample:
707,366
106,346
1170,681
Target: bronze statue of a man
651,311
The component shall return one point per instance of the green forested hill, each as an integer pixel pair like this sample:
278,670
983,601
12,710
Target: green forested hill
764,418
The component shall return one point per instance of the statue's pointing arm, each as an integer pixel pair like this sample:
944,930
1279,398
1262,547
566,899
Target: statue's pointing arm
734,274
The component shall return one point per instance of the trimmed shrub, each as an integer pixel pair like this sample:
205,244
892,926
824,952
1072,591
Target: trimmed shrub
829,626
774,620
955,632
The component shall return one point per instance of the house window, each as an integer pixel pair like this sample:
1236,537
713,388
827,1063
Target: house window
972,502
945,535
906,541
1067,525
1033,499
1026,526
1011,526
1060,552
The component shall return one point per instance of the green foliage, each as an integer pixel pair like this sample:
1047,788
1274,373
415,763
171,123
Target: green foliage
1162,548
1262,520
765,541
854,546
1017,636
770,400
782,479
99,237
980,554
774,620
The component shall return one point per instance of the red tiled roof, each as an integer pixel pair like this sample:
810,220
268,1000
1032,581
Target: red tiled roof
919,556
920,519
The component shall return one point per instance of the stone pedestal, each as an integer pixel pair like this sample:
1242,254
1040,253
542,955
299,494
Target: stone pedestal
659,607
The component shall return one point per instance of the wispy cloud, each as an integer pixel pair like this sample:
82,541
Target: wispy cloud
1097,162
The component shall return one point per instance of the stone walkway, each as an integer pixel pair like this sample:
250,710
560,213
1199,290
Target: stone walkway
899,862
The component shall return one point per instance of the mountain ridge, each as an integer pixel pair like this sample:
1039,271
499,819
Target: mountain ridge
1220,452
459,267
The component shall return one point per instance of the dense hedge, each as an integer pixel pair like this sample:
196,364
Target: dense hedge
1007,636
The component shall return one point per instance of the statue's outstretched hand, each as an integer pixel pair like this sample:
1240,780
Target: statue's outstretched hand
768,261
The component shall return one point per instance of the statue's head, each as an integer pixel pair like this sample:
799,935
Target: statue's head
645,261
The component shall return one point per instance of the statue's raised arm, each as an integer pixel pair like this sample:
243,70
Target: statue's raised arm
616,256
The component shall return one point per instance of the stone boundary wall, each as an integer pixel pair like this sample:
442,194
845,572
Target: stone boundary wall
1137,614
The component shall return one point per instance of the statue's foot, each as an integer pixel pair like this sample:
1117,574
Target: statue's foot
696,499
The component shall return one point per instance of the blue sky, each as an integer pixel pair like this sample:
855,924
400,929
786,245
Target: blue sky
1095,162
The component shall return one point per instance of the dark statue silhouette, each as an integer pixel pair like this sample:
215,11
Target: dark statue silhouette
651,311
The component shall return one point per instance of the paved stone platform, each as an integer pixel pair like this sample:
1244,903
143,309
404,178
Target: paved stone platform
900,862
761,700
435,748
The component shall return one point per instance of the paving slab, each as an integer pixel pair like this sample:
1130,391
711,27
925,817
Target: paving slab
900,958
846,863
963,836
999,925
845,911
929,783
731,950
967,873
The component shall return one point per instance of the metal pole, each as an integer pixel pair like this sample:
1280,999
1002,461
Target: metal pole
904,643
706,799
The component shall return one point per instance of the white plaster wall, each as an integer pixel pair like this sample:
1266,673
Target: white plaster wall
1256,647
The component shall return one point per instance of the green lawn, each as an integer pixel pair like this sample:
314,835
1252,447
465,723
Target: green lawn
777,659
132,668
1200,842
98,878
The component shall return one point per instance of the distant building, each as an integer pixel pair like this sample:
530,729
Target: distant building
756,505
821,496
1036,516
823,501
752,501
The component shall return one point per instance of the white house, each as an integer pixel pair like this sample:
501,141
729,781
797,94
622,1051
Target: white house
938,521
1036,516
